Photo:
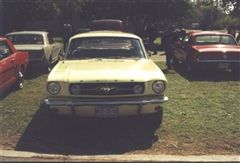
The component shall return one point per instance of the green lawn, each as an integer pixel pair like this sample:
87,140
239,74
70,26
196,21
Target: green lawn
203,114
158,41
201,117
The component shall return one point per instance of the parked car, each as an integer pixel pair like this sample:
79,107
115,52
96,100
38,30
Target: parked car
209,50
40,45
106,24
12,65
106,74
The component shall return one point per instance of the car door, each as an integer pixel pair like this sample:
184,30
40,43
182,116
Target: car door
7,66
182,49
177,49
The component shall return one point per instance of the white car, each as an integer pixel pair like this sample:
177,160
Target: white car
39,44
107,74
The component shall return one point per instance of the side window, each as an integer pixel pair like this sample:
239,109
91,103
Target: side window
5,50
50,39
227,40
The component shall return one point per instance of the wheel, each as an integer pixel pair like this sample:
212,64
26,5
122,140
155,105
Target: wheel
20,78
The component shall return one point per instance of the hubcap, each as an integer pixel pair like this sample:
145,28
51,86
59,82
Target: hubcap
20,79
21,85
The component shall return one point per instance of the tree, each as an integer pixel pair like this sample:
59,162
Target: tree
232,8
138,13
212,15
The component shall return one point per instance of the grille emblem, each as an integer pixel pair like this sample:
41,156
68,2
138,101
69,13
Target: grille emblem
107,90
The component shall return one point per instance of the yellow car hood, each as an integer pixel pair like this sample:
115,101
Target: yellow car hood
106,70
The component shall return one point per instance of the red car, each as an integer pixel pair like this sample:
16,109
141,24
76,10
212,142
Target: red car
12,65
207,50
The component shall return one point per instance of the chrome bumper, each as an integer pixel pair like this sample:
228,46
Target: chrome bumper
103,101
218,61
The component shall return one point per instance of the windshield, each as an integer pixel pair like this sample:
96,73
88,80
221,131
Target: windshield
104,47
26,39
214,39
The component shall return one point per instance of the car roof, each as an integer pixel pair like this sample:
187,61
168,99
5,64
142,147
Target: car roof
107,24
27,32
194,33
105,33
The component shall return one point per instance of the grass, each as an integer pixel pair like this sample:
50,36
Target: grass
204,113
18,107
201,117
157,41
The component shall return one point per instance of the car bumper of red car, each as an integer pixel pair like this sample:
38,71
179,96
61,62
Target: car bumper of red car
218,64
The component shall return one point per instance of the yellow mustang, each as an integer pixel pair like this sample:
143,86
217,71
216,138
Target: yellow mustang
106,74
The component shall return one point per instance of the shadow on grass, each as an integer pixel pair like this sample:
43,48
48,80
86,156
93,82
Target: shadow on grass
7,92
206,75
86,136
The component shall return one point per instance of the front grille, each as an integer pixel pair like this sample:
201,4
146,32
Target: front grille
107,88
220,56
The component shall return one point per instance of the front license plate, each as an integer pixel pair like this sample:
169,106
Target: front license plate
223,65
105,111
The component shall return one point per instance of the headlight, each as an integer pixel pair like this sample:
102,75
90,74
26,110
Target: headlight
75,89
53,88
158,87
137,89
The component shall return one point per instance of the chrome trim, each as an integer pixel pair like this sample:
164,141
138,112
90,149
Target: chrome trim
82,102
218,61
